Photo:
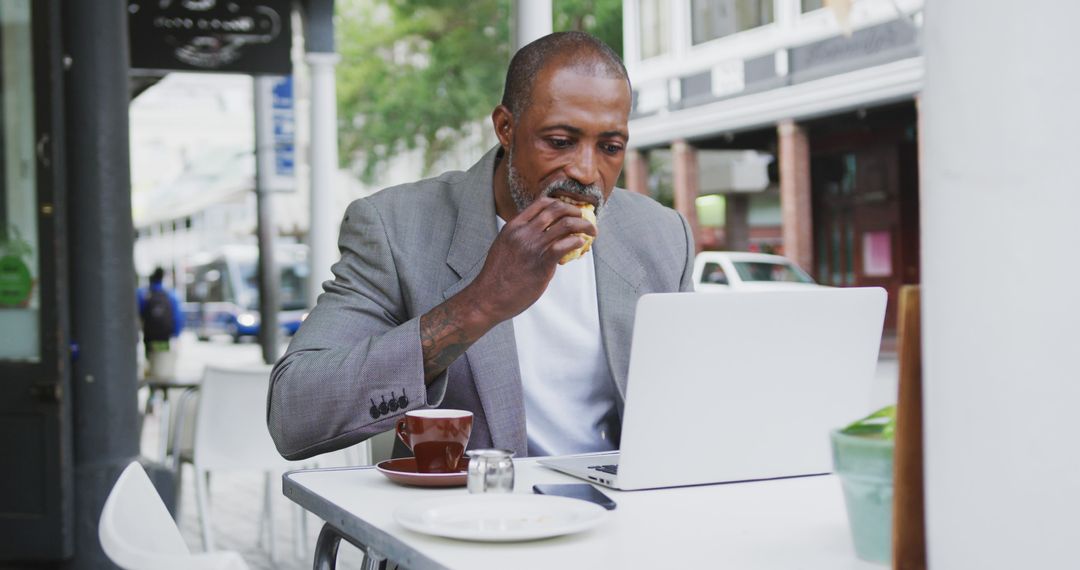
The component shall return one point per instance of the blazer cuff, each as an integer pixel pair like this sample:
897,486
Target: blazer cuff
436,391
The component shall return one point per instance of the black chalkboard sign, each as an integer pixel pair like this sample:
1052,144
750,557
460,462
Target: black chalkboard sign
235,36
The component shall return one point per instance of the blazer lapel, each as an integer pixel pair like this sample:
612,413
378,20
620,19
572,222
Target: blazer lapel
493,358
618,280
476,228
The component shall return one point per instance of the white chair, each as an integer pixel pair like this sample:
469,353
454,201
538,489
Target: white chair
137,532
231,435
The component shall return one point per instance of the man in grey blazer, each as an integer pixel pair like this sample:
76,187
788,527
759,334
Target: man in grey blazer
449,292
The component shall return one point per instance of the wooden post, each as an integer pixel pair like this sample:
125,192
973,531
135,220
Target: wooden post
909,519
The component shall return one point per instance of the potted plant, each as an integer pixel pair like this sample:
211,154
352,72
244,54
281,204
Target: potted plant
863,459
16,276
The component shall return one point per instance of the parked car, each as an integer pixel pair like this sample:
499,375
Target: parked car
744,271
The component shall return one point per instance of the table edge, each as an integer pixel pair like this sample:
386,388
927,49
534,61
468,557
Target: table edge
352,526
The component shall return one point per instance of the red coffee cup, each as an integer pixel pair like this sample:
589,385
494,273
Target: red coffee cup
436,437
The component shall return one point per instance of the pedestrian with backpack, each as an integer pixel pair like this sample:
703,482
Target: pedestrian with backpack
159,310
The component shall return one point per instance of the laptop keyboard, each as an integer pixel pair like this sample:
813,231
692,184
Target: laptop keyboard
609,469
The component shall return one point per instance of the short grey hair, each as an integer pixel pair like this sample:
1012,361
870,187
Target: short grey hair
577,50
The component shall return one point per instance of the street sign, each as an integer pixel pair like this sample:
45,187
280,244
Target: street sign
236,36
284,129
275,127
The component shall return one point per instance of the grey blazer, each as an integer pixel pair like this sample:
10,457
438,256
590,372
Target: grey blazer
356,363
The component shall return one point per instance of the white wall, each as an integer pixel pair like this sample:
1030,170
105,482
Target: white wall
1001,282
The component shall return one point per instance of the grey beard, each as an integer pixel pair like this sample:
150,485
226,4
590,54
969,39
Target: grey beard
523,200
516,183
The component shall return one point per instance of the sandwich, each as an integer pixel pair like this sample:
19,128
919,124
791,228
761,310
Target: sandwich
589,213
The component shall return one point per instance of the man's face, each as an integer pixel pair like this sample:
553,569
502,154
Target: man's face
571,139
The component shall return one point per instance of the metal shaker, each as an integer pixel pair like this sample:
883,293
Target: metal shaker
490,471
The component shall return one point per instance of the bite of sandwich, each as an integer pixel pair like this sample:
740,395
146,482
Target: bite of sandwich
588,211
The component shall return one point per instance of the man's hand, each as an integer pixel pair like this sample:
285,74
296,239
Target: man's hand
522,261
518,268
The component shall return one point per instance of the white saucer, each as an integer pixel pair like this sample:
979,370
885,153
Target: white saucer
499,517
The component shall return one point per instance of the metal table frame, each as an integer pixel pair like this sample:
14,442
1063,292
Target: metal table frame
341,525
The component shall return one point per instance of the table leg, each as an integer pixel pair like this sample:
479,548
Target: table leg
373,560
147,409
163,436
326,549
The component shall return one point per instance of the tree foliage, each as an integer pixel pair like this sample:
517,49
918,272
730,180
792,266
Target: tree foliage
418,73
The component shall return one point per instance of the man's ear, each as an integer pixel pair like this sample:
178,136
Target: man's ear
503,121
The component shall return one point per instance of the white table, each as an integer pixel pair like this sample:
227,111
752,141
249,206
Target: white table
782,524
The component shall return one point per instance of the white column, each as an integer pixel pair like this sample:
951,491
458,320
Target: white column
532,20
1000,305
631,36
796,203
323,230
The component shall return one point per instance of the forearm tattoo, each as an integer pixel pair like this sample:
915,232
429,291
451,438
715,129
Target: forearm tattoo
443,337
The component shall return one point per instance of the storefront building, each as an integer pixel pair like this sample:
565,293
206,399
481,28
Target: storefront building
826,99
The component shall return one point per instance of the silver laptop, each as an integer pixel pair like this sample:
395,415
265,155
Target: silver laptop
739,386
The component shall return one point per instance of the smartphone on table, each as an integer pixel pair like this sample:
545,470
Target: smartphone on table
583,491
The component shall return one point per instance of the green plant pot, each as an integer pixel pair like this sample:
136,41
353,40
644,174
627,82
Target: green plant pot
865,467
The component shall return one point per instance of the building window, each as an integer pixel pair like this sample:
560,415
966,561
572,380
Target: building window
654,17
810,5
714,19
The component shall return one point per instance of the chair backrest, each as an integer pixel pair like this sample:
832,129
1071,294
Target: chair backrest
230,424
182,426
135,527
137,532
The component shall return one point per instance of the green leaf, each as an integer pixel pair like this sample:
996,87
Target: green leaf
881,423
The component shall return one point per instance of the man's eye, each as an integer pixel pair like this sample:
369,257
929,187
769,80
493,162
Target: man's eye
559,143
611,148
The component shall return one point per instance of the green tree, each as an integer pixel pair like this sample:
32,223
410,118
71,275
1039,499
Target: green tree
601,18
419,73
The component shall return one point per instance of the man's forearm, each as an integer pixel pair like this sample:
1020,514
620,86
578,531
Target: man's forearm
449,329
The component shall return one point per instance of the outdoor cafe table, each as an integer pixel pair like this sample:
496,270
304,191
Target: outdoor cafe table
781,524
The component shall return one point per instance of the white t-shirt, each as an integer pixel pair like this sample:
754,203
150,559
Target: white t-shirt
569,391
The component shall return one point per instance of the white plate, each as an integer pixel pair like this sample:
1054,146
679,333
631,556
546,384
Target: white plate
499,517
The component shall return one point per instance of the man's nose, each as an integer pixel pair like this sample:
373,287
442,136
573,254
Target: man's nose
583,166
